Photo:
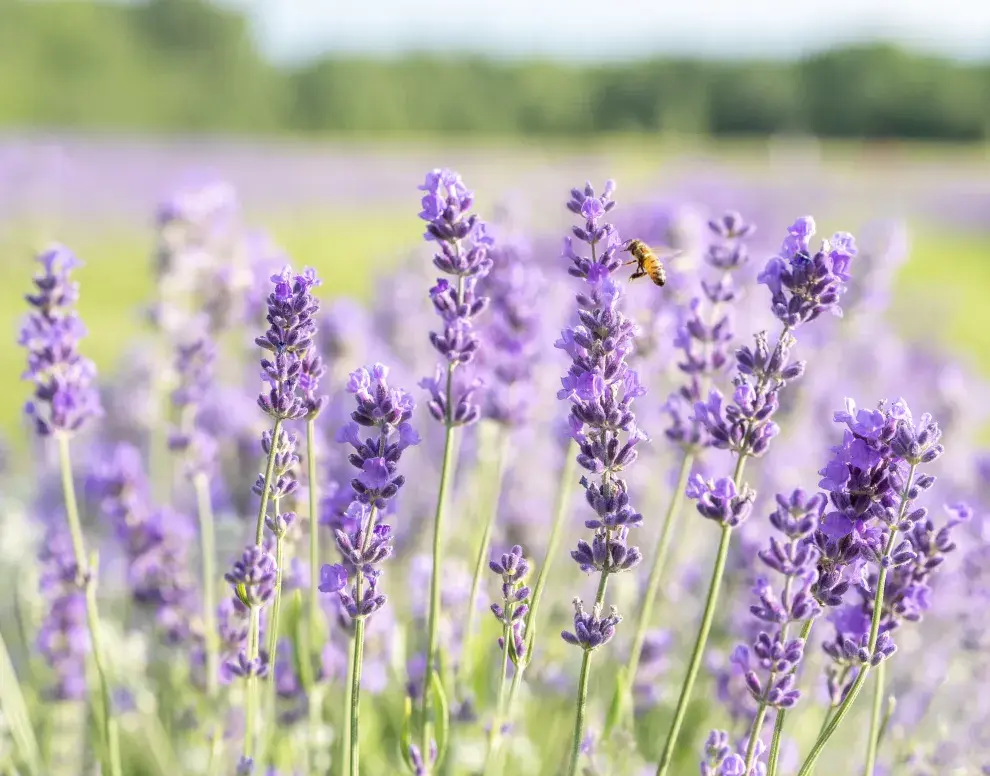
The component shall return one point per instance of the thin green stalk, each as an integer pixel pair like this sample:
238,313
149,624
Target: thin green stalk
208,547
250,690
481,562
345,737
446,475
494,735
15,710
702,639
355,698
86,579
259,532
850,698
276,606
778,725
627,680
314,630
357,661
582,700
874,738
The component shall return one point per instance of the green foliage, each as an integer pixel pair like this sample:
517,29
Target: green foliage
190,65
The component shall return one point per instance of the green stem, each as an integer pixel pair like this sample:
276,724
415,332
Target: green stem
86,580
208,542
850,698
701,641
16,713
250,691
314,631
778,725
874,740
653,584
259,533
355,697
276,606
754,734
357,657
481,563
494,735
345,738
582,700
446,475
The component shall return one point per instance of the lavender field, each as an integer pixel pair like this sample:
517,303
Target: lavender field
287,488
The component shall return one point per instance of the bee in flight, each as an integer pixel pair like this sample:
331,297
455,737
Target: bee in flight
648,265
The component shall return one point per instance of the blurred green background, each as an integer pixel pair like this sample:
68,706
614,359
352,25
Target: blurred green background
101,103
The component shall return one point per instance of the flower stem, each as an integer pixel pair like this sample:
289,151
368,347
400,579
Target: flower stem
850,698
874,740
446,476
357,660
207,540
250,691
497,462
345,738
276,606
582,700
259,533
625,683
778,725
702,639
494,735
315,636
85,579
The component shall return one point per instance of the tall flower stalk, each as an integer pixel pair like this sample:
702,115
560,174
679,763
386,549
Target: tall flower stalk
386,411
291,311
703,338
802,286
463,254
600,388
65,399
874,481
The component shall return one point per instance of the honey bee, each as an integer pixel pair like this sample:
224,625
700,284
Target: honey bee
648,265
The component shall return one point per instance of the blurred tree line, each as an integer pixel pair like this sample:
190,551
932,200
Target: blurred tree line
188,65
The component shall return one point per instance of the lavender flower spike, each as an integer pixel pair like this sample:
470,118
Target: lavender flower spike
463,255
600,389
385,412
64,400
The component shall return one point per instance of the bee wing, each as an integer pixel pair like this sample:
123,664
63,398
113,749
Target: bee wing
670,253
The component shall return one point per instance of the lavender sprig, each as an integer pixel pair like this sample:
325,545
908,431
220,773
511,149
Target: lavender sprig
291,328
462,253
796,517
65,399
387,412
873,480
802,287
601,389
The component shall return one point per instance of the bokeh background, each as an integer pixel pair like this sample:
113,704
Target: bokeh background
324,116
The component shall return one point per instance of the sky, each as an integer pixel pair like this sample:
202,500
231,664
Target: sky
296,30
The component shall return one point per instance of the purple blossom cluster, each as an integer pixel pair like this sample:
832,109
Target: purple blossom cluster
463,254
513,568
194,366
704,344
65,394
600,388
364,540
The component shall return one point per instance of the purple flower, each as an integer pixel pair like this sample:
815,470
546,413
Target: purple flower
600,388
65,396
253,577
463,252
513,568
291,312
333,578
591,630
